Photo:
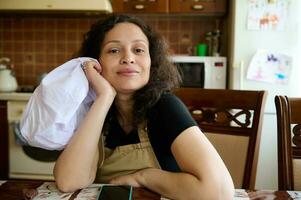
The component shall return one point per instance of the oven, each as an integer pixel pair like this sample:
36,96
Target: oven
203,72
26,162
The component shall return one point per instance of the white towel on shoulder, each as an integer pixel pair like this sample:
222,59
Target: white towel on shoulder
57,106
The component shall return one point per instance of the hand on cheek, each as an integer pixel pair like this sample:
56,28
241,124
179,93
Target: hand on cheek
93,73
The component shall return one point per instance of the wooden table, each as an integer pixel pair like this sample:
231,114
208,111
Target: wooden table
14,190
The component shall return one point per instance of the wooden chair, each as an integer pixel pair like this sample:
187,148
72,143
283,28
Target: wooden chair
289,142
231,119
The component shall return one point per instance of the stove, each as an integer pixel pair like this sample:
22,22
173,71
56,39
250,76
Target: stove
26,88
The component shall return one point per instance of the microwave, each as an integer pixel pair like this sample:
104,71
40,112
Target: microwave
203,72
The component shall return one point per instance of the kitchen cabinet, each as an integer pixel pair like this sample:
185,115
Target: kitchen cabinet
140,6
56,6
3,141
4,128
206,7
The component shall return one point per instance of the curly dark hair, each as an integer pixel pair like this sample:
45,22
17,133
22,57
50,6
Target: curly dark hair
163,73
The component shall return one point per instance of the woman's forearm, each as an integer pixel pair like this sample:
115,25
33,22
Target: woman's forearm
186,186
203,176
77,165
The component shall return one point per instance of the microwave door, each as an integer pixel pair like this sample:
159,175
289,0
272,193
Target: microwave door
193,74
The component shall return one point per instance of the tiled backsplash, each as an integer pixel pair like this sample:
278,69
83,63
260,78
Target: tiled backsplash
37,44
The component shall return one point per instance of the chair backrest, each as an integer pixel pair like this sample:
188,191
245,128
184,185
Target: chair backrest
289,142
232,120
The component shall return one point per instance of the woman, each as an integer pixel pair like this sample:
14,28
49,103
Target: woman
151,139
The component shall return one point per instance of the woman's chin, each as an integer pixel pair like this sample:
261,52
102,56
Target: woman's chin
128,89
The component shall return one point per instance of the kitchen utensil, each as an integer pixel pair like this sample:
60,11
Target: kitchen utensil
8,82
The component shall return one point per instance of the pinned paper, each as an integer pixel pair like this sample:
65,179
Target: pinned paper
270,15
270,67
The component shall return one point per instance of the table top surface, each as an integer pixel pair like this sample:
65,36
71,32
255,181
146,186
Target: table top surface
15,96
22,189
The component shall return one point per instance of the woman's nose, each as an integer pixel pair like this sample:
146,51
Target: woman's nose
127,60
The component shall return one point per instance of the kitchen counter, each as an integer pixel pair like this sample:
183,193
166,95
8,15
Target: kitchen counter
18,96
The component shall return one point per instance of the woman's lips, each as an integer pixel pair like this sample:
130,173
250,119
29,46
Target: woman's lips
127,72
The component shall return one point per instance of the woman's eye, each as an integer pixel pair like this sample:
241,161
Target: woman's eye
139,50
113,51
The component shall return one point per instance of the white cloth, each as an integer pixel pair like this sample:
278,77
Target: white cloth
57,106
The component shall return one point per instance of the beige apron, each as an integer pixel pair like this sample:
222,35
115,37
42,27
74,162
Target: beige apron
127,159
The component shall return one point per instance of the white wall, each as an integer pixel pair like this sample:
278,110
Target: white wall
267,171
244,44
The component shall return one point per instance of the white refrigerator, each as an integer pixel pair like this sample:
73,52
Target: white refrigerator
246,38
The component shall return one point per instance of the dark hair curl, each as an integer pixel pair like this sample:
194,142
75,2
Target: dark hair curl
163,73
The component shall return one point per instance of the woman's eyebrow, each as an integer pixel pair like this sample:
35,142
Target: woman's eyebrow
134,41
111,41
142,41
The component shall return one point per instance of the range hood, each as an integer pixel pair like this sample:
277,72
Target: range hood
88,6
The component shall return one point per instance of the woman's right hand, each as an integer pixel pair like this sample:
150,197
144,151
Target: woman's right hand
100,85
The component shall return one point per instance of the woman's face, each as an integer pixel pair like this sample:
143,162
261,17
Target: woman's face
125,58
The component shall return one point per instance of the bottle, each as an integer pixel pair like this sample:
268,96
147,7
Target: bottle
216,43
208,38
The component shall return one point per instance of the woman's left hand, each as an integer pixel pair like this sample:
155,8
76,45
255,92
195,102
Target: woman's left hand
130,179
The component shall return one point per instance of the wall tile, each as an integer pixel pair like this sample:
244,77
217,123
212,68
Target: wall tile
38,44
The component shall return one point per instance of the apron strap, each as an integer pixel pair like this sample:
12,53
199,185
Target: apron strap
101,148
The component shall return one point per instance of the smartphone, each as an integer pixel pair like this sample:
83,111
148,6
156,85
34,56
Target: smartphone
115,192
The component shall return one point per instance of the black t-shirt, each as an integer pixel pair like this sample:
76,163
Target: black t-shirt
165,121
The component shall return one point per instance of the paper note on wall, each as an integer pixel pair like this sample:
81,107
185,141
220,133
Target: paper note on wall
270,67
267,15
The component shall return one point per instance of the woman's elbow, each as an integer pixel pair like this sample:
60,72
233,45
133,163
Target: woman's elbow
220,187
227,192
226,188
222,192
71,184
65,186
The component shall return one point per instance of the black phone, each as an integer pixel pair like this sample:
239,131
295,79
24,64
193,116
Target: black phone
115,192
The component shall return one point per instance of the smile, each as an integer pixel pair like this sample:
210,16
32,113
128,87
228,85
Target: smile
127,72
